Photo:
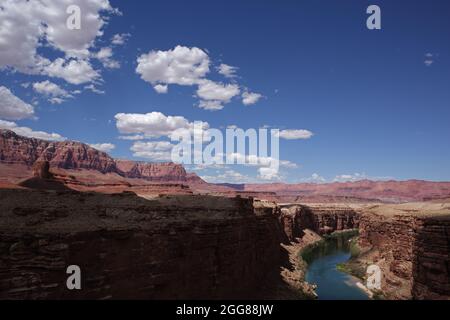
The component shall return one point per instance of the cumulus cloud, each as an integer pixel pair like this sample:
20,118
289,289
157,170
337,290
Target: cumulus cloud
52,91
213,94
268,173
104,147
227,70
315,178
249,98
120,39
255,160
161,88
211,105
155,150
13,108
228,176
189,67
26,26
295,134
104,55
181,65
73,71
153,124
28,132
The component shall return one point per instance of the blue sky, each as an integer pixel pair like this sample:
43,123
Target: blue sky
377,101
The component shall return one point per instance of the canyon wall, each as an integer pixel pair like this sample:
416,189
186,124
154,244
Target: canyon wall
322,219
411,245
190,247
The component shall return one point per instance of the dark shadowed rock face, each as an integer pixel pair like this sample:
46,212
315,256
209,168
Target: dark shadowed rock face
322,219
177,247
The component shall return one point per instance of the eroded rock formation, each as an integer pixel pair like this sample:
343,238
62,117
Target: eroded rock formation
322,219
15,149
41,169
159,172
411,245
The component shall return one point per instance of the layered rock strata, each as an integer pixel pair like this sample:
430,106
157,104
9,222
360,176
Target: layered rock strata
411,245
190,247
322,219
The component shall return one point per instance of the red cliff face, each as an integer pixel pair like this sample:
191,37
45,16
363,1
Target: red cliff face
161,172
322,219
75,155
15,149
411,245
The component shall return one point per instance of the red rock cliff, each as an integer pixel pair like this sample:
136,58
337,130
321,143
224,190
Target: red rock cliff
152,171
411,246
179,247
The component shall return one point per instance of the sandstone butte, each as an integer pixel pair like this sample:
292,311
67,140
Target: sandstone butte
153,231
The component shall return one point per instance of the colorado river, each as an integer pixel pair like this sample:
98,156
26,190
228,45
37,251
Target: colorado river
331,283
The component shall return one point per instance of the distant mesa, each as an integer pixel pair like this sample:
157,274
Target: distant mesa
69,159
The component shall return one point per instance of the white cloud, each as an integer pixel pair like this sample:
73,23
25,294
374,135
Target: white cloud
430,58
133,137
161,88
227,70
56,100
73,71
104,147
212,105
28,132
228,176
120,39
13,108
155,150
153,124
210,90
25,26
268,173
104,55
259,161
188,67
52,91
249,98
94,89
358,177
295,134
181,65
315,178
213,94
